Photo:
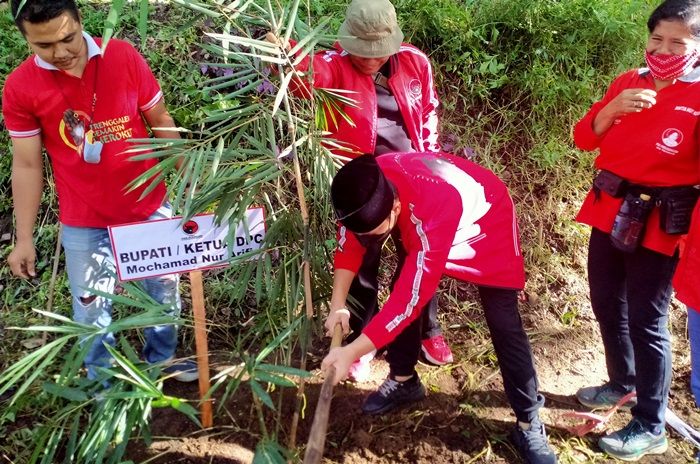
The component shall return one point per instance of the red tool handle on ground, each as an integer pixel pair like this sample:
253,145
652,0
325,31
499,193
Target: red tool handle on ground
317,436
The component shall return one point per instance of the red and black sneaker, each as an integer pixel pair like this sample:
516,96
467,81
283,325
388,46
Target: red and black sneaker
436,351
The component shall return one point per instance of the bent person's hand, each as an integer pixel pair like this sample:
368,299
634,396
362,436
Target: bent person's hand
273,39
339,316
22,260
340,358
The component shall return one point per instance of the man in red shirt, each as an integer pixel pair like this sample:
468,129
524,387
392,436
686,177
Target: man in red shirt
449,216
83,105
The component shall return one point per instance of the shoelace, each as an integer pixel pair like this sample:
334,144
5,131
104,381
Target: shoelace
631,431
439,343
388,386
536,438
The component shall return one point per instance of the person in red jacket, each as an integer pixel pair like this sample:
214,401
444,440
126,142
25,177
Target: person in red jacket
447,216
394,111
687,284
647,129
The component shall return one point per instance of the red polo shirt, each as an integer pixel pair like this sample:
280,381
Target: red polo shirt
36,95
658,147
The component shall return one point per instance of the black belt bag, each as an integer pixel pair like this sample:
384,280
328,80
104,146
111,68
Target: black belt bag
676,208
675,204
612,184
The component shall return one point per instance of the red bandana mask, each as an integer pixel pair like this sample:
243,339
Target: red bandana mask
667,67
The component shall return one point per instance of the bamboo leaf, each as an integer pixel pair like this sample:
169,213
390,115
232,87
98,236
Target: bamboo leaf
70,394
111,22
274,379
286,370
143,22
261,393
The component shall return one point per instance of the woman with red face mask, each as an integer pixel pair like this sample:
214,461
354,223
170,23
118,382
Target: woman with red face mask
646,129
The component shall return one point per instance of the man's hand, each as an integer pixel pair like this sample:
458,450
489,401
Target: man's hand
273,39
341,358
22,260
339,316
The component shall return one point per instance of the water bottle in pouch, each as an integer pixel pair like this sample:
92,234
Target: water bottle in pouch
628,228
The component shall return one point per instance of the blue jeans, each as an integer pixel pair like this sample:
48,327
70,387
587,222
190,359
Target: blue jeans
630,294
90,265
694,336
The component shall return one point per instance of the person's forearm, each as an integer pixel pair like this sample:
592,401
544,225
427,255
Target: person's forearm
603,121
165,122
27,186
361,346
342,280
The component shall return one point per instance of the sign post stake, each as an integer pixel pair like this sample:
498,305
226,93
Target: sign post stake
200,337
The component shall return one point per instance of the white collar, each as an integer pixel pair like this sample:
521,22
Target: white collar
692,76
92,50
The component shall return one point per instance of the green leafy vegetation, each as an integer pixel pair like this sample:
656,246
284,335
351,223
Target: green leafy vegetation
513,76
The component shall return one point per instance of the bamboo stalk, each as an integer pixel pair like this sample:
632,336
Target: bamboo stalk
200,336
308,297
317,435
52,283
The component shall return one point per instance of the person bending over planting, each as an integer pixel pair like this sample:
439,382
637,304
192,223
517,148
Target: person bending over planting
447,216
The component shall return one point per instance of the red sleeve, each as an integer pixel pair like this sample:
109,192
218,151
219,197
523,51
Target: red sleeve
349,253
149,93
325,70
430,116
584,137
17,112
430,243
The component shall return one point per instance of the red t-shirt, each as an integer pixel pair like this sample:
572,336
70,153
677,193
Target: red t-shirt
34,99
658,147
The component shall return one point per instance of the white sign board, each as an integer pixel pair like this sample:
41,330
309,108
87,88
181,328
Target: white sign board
169,246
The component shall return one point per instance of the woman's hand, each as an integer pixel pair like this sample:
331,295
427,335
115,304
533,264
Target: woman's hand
626,102
339,316
632,101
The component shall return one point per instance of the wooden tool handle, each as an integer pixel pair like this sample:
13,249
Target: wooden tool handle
317,435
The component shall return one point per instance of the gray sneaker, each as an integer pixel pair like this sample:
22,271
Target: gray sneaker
633,442
602,396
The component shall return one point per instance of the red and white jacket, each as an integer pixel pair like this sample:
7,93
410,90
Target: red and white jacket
687,278
411,83
456,218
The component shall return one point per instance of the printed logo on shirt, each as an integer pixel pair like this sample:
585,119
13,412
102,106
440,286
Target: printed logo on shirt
65,134
112,130
670,139
415,93
687,109
415,88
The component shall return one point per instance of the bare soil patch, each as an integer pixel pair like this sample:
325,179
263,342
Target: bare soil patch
465,418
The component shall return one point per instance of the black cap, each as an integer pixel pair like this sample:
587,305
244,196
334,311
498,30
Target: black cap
362,196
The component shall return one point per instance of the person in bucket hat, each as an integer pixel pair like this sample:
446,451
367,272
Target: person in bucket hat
370,29
395,111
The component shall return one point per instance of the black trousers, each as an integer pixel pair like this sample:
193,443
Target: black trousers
503,319
630,295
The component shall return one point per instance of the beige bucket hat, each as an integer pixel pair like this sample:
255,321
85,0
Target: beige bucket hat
370,29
